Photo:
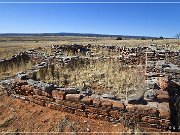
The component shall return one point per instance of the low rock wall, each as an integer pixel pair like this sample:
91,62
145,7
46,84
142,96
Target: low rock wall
154,116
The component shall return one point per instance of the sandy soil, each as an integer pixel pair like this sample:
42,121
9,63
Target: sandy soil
21,116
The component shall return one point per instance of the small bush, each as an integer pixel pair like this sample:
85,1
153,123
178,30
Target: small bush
119,38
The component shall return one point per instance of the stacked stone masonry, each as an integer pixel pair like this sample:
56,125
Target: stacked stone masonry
149,113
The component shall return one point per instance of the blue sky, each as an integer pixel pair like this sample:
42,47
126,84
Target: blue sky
125,19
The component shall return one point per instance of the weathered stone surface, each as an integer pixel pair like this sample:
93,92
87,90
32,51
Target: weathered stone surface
70,90
74,97
87,100
115,114
106,104
37,92
159,92
60,95
20,82
97,111
42,98
76,105
118,105
164,123
153,120
97,102
71,110
163,97
142,109
164,110
149,95
50,105
40,85
61,102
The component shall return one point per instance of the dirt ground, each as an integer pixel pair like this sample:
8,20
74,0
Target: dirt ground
21,116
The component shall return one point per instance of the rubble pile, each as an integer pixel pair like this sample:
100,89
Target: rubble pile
22,57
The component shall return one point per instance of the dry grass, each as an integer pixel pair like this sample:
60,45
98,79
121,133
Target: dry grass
14,69
103,77
12,45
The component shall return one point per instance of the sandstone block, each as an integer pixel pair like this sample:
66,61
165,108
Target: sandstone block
118,105
87,100
74,97
60,95
164,110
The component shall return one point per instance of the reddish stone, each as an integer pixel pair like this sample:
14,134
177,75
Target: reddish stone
60,95
59,108
149,129
71,110
144,119
97,111
159,92
106,104
118,105
144,125
65,109
49,105
61,102
163,97
91,110
140,108
37,91
20,82
74,97
164,110
87,100
76,105
114,114
153,120
27,88
97,102
44,93
104,112
164,123
42,98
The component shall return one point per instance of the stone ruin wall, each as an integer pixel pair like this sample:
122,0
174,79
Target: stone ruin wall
153,115
131,115
22,57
